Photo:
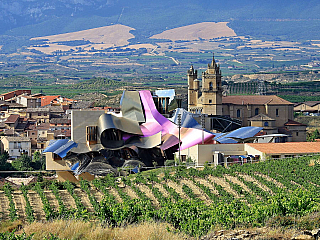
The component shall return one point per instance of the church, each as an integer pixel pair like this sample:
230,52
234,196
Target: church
271,112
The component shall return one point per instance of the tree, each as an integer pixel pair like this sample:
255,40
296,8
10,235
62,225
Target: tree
23,163
4,165
38,161
311,137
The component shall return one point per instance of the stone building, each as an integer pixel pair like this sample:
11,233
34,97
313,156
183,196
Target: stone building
268,111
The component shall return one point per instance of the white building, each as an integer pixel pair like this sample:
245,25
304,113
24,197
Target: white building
16,146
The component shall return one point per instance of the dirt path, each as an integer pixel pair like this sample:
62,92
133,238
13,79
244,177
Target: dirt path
67,199
162,189
178,189
4,206
270,179
97,194
37,206
52,199
130,192
224,184
237,181
207,184
115,193
197,191
84,199
259,184
149,194
20,204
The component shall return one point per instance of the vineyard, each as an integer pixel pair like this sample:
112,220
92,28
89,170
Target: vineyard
193,201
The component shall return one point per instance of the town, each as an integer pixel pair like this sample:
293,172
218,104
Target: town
50,138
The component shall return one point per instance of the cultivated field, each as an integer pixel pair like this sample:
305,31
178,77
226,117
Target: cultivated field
192,201
204,30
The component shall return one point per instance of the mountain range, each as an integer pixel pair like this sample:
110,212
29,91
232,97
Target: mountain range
286,19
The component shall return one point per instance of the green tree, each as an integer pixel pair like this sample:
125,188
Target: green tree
23,163
38,161
4,165
311,137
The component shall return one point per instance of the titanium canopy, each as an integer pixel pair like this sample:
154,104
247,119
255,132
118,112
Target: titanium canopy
139,135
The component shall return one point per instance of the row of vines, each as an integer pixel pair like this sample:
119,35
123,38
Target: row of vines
192,200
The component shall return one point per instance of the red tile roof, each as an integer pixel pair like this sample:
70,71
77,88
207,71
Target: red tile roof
255,100
46,100
287,148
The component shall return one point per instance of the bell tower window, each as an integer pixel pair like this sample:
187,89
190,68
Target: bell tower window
210,86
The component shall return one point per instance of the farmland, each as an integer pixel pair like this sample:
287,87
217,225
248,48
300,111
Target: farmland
283,193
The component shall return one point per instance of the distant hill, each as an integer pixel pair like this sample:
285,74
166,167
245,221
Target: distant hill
262,18
114,34
205,30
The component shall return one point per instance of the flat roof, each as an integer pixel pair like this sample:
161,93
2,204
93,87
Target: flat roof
287,148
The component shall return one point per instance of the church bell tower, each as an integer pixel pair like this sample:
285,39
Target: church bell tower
193,89
212,90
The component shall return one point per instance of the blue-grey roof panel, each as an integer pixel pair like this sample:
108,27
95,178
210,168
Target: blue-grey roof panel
243,133
60,147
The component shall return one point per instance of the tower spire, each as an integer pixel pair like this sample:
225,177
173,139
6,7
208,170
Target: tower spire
213,62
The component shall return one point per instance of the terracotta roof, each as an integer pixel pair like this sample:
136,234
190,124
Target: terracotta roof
45,100
12,118
255,100
293,123
261,117
287,148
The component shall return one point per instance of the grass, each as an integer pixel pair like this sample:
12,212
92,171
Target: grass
76,229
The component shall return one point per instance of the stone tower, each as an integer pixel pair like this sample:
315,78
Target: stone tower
193,88
212,90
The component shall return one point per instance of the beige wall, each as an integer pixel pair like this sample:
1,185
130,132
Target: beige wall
204,153
13,147
52,164
285,112
305,108
43,118
299,133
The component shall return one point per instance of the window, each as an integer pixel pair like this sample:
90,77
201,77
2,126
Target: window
277,112
39,114
266,124
210,86
91,132
210,101
297,134
256,111
44,114
238,113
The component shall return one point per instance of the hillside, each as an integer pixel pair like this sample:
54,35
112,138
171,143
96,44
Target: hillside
192,201
263,18
205,30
